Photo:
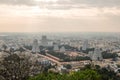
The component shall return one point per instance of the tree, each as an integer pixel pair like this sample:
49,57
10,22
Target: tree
4,46
107,55
87,74
108,74
14,67
68,66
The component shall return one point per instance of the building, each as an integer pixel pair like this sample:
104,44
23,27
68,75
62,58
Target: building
56,47
85,45
50,43
97,55
35,46
62,49
90,54
44,41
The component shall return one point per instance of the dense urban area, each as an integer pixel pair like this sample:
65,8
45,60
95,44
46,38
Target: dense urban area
59,56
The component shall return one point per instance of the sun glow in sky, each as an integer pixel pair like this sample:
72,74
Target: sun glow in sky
59,16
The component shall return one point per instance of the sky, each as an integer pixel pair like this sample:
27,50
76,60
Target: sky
59,15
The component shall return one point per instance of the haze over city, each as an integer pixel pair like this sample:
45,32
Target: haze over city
59,39
59,15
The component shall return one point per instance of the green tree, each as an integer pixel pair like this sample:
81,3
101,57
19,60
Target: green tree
68,66
87,74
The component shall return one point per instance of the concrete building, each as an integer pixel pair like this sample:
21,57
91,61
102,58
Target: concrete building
56,47
90,54
35,46
85,45
62,49
50,43
44,41
97,56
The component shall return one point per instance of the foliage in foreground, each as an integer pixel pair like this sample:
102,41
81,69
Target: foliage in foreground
80,75
13,67
85,74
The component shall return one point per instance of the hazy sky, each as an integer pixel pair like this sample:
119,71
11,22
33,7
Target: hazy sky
59,15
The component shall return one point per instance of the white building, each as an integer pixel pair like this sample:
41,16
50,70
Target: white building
62,49
35,46
97,55
56,47
50,43
44,41
90,54
85,45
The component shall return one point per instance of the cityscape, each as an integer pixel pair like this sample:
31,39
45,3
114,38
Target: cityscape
63,52
59,39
